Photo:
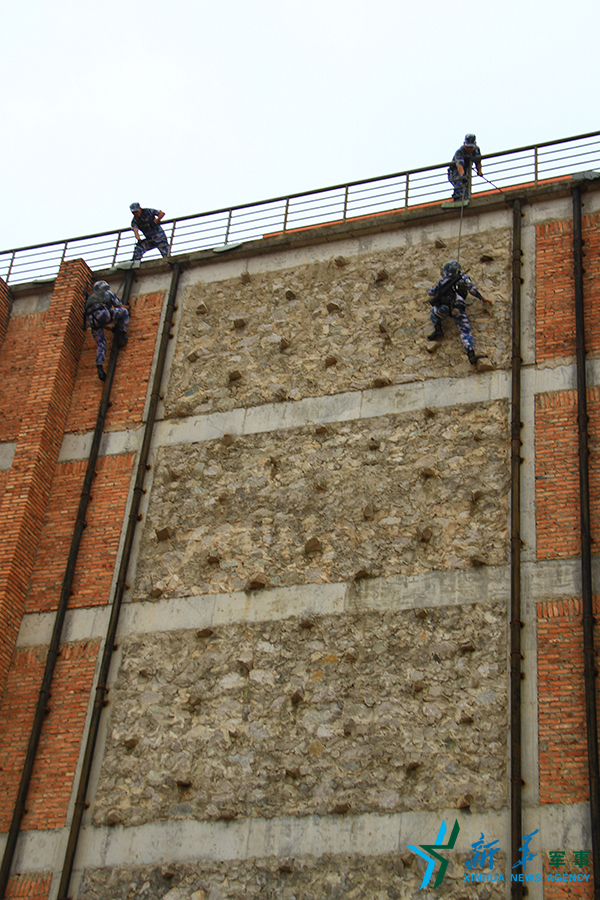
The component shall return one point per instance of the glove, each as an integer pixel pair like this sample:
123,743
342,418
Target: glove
463,179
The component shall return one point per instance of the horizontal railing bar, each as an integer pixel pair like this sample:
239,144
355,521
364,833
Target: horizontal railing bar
336,202
284,198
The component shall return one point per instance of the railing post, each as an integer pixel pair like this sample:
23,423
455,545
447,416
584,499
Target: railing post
114,259
285,216
173,235
535,163
346,201
64,253
406,194
228,226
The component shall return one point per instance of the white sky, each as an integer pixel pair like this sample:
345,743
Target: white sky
192,105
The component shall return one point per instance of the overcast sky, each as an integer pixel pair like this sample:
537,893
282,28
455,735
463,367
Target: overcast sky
190,105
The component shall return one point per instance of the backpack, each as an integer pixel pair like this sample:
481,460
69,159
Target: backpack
95,301
444,293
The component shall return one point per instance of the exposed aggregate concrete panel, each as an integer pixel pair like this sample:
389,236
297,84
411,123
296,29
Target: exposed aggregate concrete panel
332,877
332,326
334,715
399,494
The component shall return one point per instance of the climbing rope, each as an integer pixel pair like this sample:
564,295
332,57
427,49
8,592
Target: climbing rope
462,209
495,186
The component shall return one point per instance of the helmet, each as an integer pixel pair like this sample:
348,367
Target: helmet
101,286
470,140
134,206
451,268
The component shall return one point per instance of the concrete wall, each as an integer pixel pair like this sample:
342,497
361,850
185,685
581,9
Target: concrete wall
311,669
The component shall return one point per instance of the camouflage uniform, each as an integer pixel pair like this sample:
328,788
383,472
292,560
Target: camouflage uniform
452,304
466,157
154,234
100,317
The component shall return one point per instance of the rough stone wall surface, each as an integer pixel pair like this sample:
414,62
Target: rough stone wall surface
343,714
332,326
340,877
400,494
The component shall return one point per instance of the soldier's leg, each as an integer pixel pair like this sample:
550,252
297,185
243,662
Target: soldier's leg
140,248
464,328
121,320
163,246
437,315
455,180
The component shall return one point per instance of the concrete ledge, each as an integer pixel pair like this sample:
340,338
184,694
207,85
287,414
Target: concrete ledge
551,579
368,404
189,841
113,443
460,587
7,454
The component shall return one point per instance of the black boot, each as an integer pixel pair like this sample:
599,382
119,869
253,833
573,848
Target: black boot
473,357
437,334
101,373
122,338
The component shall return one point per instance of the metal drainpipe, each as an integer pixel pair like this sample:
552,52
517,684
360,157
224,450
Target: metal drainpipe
516,782
121,586
589,656
54,647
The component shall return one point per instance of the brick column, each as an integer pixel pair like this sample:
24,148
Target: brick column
4,309
30,478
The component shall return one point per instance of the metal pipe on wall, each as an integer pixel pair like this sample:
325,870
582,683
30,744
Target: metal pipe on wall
54,646
121,586
589,656
516,782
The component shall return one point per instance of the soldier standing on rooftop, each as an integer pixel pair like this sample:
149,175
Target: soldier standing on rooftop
148,221
459,172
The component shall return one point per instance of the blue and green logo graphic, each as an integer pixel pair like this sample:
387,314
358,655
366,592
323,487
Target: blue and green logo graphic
429,853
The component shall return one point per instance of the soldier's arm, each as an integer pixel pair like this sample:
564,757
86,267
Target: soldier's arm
476,293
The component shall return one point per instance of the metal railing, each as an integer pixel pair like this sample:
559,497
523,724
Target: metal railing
222,228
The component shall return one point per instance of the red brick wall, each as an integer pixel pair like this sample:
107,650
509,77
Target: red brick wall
4,309
28,887
557,473
58,750
130,385
3,479
100,540
555,305
41,434
565,890
561,703
25,334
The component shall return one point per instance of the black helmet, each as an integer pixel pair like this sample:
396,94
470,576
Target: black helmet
451,268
